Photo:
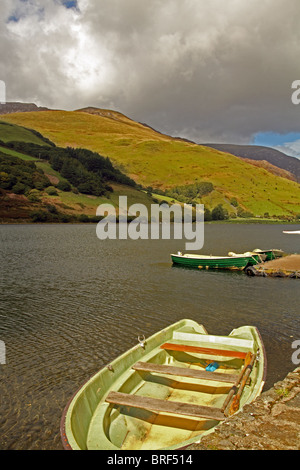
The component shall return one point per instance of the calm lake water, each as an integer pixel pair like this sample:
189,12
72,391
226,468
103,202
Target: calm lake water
71,303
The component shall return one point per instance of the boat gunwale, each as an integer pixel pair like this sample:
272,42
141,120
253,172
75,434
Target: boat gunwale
65,440
260,345
212,257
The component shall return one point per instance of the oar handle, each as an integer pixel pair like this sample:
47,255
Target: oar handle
234,388
236,400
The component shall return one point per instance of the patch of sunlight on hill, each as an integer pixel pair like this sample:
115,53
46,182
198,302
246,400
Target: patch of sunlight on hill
10,132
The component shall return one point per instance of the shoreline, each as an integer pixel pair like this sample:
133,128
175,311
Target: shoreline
287,266
270,422
208,222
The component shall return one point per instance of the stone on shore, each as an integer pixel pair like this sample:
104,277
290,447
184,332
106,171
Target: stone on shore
287,266
271,422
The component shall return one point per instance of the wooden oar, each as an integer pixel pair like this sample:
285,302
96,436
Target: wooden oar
233,389
236,400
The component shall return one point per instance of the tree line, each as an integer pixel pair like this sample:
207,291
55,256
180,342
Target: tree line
188,193
19,176
87,171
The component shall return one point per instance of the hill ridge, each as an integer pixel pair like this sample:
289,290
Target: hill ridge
159,161
259,153
19,107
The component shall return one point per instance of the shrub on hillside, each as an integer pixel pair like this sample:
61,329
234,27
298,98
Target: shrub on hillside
51,191
64,186
219,213
20,176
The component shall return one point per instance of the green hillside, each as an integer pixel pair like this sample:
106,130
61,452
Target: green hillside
35,194
162,162
32,189
10,132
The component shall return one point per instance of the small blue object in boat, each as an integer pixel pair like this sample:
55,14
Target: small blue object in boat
212,366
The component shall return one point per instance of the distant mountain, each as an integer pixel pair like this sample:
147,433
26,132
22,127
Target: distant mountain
15,107
256,152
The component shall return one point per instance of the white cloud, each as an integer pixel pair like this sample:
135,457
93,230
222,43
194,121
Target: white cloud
290,148
210,71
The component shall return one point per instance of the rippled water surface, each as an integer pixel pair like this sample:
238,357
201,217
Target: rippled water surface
71,303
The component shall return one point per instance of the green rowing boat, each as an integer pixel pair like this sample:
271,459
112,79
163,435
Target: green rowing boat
233,262
269,254
255,257
167,391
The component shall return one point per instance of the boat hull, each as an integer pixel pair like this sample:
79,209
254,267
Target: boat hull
214,262
95,419
270,254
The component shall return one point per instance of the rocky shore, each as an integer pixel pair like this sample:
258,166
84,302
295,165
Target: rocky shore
271,422
287,266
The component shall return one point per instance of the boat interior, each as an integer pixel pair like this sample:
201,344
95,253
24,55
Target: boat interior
176,392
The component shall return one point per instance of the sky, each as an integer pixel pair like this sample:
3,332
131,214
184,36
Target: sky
212,71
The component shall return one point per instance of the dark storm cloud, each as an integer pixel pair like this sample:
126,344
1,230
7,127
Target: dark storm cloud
207,70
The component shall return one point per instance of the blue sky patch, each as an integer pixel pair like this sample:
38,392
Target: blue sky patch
13,18
273,139
70,3
21,12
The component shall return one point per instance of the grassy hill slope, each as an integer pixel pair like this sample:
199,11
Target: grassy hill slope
153,159
46,202
10,132
260,153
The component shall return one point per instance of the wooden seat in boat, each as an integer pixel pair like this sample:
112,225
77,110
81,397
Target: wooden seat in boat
204,350
154,404
185,372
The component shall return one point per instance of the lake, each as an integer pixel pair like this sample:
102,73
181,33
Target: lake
71,303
